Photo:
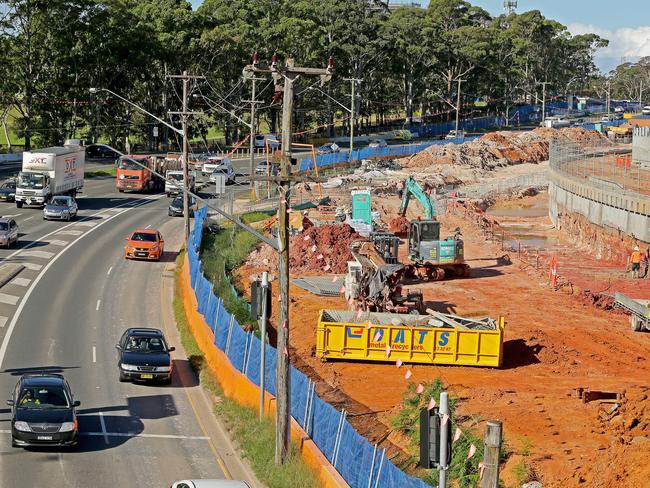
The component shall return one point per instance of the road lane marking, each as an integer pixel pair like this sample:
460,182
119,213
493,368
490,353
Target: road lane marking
23,302
21,281
145,436
103,424
148,226
56,242
87,224
94,354
39,254
33,266
3,320
98,303
8,299
29,218
70,232
109,270
12,215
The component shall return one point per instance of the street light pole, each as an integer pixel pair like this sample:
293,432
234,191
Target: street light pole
458,107
353,83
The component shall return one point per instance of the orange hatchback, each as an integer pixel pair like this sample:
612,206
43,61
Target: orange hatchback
144,244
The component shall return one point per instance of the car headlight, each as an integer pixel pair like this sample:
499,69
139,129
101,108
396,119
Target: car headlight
129,367
22,426
12,194
68,426
154,248
163,369
130,248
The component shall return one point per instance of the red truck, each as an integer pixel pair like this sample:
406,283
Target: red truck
132,176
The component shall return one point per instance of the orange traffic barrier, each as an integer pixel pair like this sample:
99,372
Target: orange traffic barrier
236,386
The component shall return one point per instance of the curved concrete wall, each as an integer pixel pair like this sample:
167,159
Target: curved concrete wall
614,208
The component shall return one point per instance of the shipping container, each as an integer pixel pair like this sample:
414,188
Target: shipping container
424,339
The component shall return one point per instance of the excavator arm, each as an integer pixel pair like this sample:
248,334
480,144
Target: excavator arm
413,188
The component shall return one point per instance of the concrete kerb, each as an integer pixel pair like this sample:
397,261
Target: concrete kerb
236,386
8,272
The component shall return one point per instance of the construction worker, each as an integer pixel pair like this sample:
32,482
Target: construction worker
635,260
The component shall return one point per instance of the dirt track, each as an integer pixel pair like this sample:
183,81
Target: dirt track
553,343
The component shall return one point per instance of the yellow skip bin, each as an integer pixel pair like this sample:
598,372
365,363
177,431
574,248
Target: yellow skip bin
426,339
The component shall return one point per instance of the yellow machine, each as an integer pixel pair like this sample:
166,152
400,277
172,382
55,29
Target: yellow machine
426,339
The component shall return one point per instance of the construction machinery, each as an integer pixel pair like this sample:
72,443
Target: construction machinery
432,258
375,284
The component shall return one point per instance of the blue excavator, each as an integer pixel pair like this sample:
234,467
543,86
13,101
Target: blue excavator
431,258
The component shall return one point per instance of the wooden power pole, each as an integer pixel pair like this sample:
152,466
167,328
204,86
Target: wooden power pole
492,443
287,74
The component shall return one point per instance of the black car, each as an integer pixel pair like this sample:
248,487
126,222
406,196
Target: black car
143,355
101,151
43,412
8,191
176,207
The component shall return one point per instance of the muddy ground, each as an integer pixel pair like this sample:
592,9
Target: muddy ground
554,342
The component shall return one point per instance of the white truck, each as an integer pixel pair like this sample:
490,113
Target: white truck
174,182
49,172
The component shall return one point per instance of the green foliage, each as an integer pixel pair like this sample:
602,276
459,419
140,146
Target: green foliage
221,253
252,217
101,173
522,472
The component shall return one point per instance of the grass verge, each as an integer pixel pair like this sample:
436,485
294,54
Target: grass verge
223,252
255,438
100,173
463,471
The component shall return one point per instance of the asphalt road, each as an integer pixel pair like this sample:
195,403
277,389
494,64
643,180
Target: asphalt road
64,313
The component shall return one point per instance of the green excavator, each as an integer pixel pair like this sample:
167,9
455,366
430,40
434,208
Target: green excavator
431,258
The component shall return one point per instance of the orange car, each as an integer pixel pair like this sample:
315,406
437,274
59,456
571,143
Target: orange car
145,244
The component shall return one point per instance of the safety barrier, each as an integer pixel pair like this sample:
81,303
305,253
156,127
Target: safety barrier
359,463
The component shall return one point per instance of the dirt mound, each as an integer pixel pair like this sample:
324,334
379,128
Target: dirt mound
399,226
323,249
502,148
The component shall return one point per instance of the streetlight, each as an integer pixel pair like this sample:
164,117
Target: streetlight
186,212
348,110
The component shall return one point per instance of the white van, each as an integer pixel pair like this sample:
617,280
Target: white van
210,484
215,162
646,110
174,182
269,138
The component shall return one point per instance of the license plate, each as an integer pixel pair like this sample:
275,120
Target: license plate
141,254
44,437
146,376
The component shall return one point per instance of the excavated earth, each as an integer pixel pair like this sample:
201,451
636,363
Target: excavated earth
554,343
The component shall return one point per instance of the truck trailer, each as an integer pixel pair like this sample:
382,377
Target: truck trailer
49,172
135,172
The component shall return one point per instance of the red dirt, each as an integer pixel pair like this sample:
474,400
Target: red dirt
553,343
399,226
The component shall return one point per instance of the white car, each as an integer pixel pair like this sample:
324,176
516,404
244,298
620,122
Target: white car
646,110
225,171
261,140
210,484
215,162
60,208
455,135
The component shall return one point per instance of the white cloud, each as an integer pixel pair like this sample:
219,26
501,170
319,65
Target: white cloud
625,44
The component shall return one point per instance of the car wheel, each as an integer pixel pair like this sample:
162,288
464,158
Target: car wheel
13,443
19,204
123,378
169,212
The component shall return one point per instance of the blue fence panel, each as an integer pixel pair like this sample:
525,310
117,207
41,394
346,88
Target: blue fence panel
324,424
237,346
222,329
391,476
253,370
353,446
269,370
299,387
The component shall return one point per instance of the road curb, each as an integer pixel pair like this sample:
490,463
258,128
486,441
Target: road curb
8,272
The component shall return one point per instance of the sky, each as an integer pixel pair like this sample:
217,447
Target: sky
625,23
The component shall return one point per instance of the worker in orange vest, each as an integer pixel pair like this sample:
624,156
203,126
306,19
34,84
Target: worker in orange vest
635,260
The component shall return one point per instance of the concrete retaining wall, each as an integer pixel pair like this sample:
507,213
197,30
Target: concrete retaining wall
619,210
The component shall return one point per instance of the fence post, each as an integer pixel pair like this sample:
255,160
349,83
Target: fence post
492,442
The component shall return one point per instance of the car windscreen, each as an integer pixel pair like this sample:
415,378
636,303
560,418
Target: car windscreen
143,237
131,164
10,185
175,177
43,397
59,202
144,344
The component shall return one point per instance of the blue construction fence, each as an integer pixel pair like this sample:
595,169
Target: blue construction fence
361,464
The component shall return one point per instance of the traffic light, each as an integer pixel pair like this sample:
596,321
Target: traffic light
430,425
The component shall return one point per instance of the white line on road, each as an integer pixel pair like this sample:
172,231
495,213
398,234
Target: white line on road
33,266
148,226
57,242
29,218
21,281
98,303
103,432
13,215
8,299
39,254
87,224
23,302
70,232
109,270
94,354
3,320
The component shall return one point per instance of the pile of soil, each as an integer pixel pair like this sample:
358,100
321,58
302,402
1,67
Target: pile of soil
399,226
323,249
498,149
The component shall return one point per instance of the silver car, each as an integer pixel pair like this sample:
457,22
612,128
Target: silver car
60,208
8,231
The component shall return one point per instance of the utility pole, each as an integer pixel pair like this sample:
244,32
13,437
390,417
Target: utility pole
288,74
353,83
641,94
609,95
252,127
544,83
186,148
458,106
164,102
